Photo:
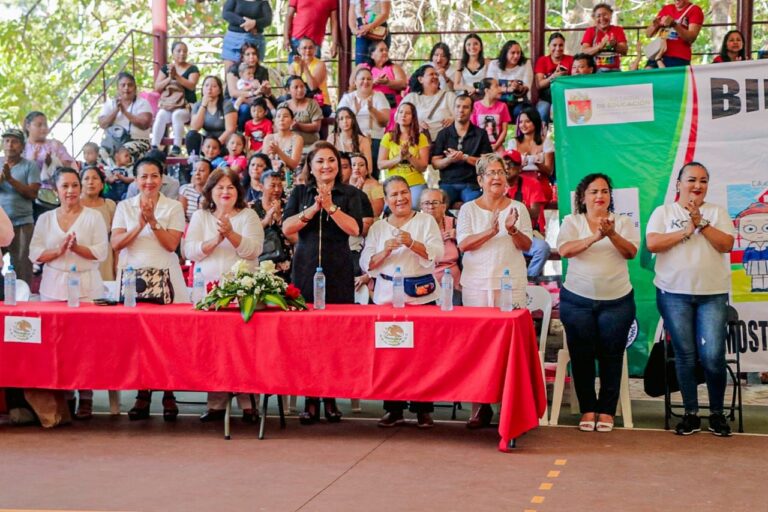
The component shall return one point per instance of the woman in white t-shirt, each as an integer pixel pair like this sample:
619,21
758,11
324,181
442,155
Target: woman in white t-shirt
597,304
492,232
129,112
372,111
536,148
692,239
410,241
434,107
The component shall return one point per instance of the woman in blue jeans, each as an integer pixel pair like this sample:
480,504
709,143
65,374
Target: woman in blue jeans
692,239
597,305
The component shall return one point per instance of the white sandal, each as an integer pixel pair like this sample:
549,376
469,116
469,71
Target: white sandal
587,426
604,426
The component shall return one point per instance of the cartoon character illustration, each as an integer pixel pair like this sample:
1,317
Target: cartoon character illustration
752,223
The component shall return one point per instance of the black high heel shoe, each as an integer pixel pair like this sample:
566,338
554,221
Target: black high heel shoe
170,409
482,418
332,413
311,412
140,410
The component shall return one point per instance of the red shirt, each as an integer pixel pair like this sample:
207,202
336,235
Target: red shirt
546,65
605,59
311,18
532,193
256,132
676,47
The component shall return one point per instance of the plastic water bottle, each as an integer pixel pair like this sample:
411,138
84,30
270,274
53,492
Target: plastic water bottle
198,286
319,288
10,287
506,303
129,287
398,289
446,291
73,288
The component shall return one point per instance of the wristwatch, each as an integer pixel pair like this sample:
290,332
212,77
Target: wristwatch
333,209
703,224
155,226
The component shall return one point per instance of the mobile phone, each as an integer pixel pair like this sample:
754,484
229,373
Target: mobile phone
105,302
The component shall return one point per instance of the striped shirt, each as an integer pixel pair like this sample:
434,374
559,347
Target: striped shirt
194,199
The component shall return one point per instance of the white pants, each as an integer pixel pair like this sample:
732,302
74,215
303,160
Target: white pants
490,298
178,118
218,401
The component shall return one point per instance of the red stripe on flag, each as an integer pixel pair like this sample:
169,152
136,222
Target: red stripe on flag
694,121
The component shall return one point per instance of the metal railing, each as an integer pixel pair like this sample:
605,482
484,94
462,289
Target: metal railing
80,111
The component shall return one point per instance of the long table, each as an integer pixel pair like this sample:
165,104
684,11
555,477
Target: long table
468,355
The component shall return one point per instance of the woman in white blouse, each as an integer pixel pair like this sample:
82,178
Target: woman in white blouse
691,239
434,107
222,232
493,231
412,242
70,237
597,305
147,229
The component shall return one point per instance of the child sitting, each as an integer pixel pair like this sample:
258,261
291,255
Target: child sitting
491,114
258,127
91,157
121,175
211,150
235,158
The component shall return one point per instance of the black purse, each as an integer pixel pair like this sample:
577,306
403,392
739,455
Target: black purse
657,367
273,249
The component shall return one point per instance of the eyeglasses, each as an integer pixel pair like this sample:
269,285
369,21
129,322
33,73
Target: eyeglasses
433,204
493,174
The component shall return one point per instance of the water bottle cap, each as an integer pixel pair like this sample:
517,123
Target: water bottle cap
506,271
447,271
198,269
319,269
129,268
10,268
397,269
73,268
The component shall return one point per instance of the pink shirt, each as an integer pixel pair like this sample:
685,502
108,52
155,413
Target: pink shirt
450,257
490,118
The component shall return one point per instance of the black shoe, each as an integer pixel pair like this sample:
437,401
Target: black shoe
691,424
175,151
140,411
71,405
170,409
212,415
311,412
392,419
251,416
718,425
332,413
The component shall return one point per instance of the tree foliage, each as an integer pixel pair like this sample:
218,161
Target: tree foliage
50,48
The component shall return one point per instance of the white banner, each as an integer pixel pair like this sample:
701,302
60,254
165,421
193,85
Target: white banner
22,329
394,335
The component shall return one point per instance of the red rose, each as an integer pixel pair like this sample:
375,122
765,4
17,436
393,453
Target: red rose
292,292
210,286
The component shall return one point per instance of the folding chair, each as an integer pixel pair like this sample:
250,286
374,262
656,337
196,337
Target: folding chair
539,299
734,361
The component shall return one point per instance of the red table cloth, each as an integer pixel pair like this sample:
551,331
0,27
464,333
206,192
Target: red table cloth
468,355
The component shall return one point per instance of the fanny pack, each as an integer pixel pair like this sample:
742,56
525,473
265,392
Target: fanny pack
416,286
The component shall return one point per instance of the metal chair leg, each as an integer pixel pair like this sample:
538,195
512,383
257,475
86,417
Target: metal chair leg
280,411
227,415
263,420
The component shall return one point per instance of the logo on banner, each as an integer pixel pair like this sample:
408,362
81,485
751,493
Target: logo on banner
394,334
579,108
610,105
21,329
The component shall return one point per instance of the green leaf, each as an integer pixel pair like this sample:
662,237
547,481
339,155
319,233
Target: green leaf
247,307
223,302
275,300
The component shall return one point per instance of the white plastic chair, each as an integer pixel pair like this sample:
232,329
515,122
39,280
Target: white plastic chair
624,407
539,299
22,291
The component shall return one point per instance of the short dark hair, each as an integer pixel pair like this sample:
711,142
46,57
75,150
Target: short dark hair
588,58
316,147
61,171
215,177
148,161
464,96
692,163
555,35
581,189
125,74
601,5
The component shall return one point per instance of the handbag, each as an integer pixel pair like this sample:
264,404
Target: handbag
114,138
47,198
656,368
416,286
658,46
172,98
377,34
152,285
273,249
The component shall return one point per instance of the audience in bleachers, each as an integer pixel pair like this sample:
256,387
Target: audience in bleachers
604,41
284,146
348,137
491,114
549,68
258,164
732,49
246,21
368,22
473,65
213,115
537,150
191,194
126,119
679,23
440,58
258,86
514,74
434,106
307,115
309,18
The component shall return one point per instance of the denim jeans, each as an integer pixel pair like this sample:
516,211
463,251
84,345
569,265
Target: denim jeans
230,48
416,191
697,326
544,108
597,329
539,253
465,192
243,116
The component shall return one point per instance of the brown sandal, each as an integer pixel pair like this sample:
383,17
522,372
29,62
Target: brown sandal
84,409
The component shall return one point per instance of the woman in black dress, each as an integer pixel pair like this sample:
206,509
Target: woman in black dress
324,213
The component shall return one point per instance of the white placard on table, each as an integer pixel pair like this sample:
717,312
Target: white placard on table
394,335
23,329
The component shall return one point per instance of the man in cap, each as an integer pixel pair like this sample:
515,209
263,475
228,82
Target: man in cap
19,183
